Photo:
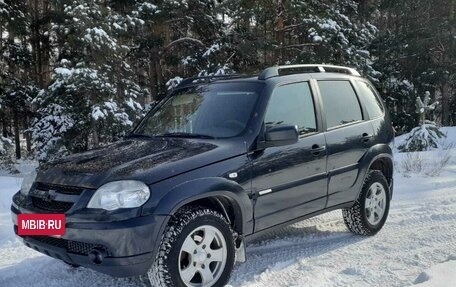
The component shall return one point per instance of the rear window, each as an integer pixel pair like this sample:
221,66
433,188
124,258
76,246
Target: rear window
371,101
340,103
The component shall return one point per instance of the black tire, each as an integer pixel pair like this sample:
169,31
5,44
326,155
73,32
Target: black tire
165,269
355,218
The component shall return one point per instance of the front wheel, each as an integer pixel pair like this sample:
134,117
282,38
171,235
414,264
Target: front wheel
368,215
197,249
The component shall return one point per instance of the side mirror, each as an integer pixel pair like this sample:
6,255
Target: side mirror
280,136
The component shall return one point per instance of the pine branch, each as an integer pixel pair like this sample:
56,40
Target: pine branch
299,45
179,41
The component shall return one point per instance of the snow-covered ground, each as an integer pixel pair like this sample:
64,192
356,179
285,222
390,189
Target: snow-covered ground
416,247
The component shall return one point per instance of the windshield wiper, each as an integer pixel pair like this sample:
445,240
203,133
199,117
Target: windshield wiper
186,135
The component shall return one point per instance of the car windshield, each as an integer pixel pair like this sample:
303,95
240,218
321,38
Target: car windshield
211,111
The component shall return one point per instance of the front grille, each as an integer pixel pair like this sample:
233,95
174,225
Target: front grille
48,198
70,246
81,247
51,205
59,188
61,243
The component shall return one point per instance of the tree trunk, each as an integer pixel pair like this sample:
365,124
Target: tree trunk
16,135
152,79
4,125
1,38
45,49
27,134
95,139
279,31
445,90
159,73
37,46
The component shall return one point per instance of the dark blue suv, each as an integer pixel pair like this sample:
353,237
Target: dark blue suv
216,163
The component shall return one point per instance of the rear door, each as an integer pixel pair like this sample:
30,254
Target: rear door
290,181
348,137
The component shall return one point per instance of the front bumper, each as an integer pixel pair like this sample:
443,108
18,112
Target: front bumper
129,246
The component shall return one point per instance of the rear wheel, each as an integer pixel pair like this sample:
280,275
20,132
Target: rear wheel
197,249
368,215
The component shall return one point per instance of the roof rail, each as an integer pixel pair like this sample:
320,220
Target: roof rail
208,79
305,68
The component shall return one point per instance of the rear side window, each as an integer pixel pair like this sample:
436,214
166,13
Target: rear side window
292,105
340,103
371,101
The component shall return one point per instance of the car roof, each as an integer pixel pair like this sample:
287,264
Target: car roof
279,74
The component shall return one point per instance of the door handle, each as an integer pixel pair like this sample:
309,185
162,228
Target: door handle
316,149
365,137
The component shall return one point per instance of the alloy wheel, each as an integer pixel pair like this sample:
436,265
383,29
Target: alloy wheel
202,257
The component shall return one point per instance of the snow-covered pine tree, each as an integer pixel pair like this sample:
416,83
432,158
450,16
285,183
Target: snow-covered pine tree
177,35
16,89
415,48
330,32
267,33
6,154
5,145
93,98
427,136
424,137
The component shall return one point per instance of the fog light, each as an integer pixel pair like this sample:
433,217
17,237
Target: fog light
97,255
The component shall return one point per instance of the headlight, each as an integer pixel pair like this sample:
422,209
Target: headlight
120,194
27,183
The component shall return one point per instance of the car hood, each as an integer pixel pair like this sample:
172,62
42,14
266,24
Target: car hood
148,160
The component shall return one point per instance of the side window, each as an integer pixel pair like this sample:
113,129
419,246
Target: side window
340,103
292,105
371,101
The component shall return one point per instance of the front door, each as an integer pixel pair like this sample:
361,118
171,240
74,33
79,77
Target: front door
290,181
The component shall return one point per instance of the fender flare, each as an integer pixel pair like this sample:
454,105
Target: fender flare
210,187
380,152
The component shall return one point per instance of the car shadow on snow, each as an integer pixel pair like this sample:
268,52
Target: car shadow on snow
44,271
289,245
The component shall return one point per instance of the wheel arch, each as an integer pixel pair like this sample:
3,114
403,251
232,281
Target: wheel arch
223,204
220,194
384,163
